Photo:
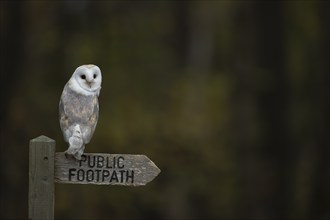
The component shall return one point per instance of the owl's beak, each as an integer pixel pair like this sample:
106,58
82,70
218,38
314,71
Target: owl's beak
90,84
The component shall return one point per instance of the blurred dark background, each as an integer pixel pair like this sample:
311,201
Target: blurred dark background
229,98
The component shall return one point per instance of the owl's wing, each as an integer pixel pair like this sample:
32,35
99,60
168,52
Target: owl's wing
92,119
64,120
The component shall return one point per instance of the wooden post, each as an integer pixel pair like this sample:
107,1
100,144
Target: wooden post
41,178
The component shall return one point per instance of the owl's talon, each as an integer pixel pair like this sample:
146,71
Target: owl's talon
77,156
68,156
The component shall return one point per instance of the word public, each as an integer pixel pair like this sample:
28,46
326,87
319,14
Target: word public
101,169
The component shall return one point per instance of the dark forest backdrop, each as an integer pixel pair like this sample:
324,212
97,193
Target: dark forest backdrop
229,98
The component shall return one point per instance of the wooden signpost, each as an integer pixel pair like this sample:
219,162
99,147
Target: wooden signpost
105,169
47,167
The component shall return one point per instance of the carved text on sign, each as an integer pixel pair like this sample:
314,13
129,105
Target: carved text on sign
101,170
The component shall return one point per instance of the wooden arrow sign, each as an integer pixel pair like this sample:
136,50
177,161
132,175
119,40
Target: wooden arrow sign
105,169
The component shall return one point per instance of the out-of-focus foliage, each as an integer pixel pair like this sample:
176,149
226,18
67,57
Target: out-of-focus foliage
229,98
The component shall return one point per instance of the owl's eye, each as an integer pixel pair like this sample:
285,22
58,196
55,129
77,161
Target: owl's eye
94,75
83,76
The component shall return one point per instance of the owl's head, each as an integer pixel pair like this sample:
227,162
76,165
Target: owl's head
87,79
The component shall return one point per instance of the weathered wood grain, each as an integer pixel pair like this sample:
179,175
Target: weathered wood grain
105,169
41,178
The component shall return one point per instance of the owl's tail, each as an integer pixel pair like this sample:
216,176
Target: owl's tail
76,144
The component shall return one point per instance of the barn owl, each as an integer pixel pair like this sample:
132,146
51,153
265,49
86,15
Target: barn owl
79,108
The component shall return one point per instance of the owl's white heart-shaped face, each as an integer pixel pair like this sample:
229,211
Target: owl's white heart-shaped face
87,79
